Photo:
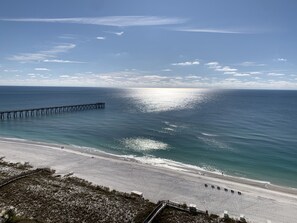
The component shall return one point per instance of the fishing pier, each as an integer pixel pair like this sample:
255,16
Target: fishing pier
24,113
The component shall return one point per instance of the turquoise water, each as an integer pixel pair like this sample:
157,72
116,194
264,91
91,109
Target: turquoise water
246,133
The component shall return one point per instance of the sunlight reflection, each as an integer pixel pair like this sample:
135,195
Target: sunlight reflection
166,99
143,144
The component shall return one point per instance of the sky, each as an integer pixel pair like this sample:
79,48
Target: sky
247,44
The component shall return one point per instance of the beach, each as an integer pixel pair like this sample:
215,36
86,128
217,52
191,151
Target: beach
257,201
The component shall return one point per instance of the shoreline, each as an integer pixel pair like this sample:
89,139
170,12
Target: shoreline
175,165
259,201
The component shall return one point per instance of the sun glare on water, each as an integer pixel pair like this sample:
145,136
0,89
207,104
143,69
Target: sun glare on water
143,144
166,99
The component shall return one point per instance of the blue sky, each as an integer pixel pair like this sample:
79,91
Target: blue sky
168,43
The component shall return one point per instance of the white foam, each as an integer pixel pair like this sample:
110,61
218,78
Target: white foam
215,144
14,139
208,134
166,163
169,129
253,180
170,125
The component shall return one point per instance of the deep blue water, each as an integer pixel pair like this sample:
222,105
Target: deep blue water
246,133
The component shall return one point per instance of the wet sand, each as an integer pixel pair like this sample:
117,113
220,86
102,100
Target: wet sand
259,201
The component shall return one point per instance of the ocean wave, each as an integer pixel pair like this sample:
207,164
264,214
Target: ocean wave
155,161
170,125
253,180
14,139
208,134
214,144
169,129
169,164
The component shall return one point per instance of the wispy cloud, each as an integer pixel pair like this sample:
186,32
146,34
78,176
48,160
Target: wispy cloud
37,76
275,74
241,75
115,33
281,59
226,69
255,72
42,55
68,36
118,21
59,49
213,65
216,66
219,31
62,61
251,64
29,57
100,37
154,77
120,54
11,70
186,63
193,77
64,76
41,69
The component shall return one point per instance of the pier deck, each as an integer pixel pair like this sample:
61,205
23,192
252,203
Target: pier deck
23,113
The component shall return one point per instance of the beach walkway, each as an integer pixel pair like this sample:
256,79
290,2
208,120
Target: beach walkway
166,203
22,175
155,212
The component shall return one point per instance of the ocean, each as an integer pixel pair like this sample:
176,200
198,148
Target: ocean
244,133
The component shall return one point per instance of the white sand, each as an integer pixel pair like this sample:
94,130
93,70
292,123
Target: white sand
259,202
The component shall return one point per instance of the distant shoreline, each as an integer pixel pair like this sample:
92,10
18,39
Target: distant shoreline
159,183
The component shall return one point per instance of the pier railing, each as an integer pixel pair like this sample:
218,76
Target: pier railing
23,113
